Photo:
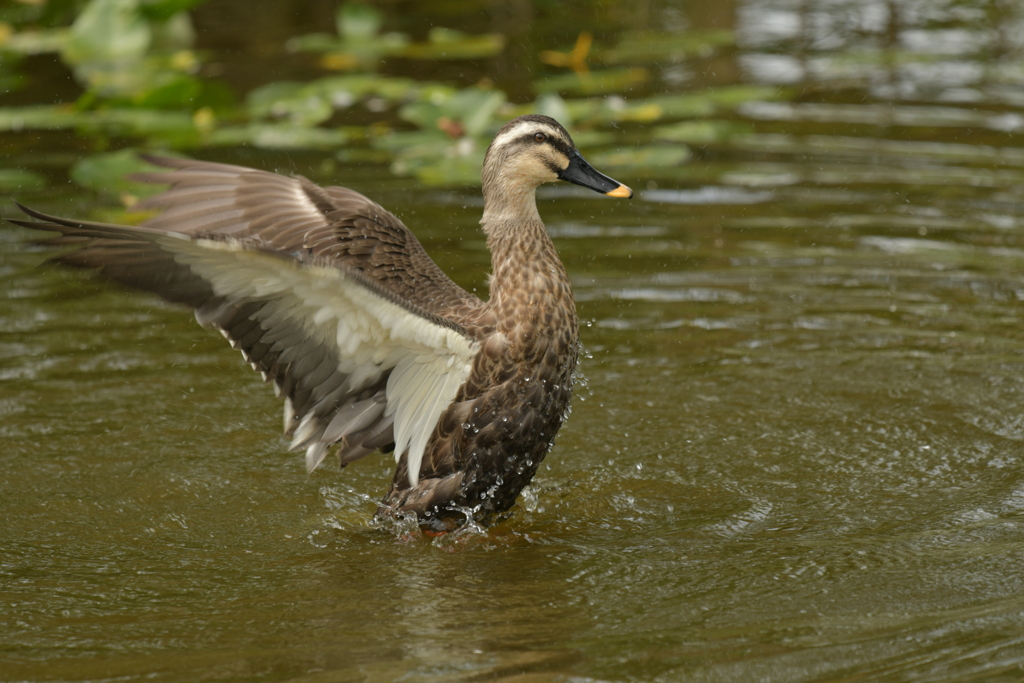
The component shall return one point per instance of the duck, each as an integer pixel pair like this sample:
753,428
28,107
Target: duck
372,347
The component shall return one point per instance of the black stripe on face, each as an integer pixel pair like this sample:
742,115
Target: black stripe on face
556,143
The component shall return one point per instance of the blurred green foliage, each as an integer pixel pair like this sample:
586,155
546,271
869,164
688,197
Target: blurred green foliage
142,80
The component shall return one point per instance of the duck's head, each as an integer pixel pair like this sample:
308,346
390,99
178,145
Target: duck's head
532,150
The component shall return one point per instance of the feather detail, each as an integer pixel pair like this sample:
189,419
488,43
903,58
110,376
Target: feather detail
313,317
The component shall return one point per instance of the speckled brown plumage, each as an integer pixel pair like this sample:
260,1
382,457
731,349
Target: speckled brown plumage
489,443
250,251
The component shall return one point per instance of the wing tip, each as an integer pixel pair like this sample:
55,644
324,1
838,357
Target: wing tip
315,455
32,213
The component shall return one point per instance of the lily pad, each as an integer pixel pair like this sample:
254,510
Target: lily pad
36,42
281,136
702,132
15,179
108,31
647,46
358,22
433,157
163,10
453,168
649,156
182,91
432,140
141,122
108,173
446,43
172,127
551,104
39,117
467,112
312,103
696,104
295,102
588,139
614,108
358,42
593,82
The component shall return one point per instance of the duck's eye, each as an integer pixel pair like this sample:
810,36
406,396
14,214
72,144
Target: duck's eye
540,137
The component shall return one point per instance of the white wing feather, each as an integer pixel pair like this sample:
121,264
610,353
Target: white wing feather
428,362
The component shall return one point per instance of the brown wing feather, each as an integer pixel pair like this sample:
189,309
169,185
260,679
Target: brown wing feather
295,217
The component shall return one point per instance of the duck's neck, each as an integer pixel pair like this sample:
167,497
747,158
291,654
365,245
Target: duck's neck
527,277
507,202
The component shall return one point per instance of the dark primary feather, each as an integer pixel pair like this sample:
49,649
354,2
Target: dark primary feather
338,226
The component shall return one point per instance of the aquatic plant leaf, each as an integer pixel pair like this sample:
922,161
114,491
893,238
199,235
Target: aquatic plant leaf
647,46
648,156
36,42
281,136
551,104
313,42
431,141
702,132
108,31
162,10
262,98
297,103
174,33
450,172
433,157
139,121
476,108
466,112
358,22
445,171
614,108
357,43
312,103
445,43
38,117
362,155
586,139
593,82
108,173
13,179
343,91
732,96
179,91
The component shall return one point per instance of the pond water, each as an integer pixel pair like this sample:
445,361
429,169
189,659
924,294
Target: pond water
796,456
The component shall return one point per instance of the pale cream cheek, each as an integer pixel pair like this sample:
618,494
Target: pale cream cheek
532,170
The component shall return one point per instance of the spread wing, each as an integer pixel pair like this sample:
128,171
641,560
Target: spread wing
324,292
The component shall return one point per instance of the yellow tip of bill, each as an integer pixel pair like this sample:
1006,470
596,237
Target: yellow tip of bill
621,191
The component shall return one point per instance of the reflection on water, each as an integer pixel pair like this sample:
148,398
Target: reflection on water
796,454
